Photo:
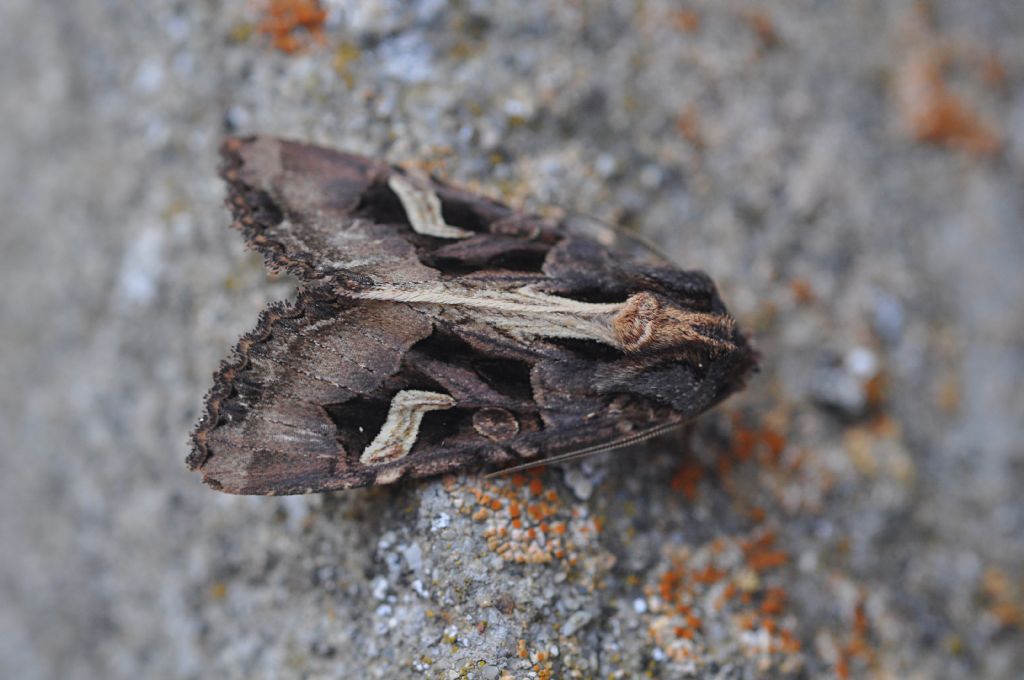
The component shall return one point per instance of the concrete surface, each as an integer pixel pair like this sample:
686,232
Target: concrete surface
849,172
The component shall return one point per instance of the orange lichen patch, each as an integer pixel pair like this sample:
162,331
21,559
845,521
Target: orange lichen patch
790,644
761,556
687,477
744,442
992,70
746,620
688,124
876,389
803,291
768,560
765,442
764,28
292,24
857,647
1004,601
669,582
931,112
536,486
521,650
708,574
522,521
717,585
773,602
685,20
773,442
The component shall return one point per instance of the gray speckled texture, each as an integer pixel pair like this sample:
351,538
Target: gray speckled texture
857,511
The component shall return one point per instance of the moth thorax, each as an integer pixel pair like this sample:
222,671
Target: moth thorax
636,325
647,323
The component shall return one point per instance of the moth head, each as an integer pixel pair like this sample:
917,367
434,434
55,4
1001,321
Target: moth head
651,323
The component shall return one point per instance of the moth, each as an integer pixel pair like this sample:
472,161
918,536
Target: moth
436,329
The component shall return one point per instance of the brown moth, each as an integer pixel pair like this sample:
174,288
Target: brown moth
436,329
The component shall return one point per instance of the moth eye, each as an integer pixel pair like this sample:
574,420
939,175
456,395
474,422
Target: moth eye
497,424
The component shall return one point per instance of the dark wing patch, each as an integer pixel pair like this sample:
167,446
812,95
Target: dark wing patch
266,429
307,210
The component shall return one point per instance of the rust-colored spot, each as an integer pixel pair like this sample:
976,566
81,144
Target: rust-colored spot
803,291
536,486
744,443
292,25
688,124
764,28
789,643
774,443
686,20
767,560
931,112
708,574
686,479
774,600
669,582
747,620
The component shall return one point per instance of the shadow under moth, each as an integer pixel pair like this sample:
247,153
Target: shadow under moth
436,329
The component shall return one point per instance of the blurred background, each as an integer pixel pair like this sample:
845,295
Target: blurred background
851,175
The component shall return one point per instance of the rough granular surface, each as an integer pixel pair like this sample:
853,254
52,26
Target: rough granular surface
849,173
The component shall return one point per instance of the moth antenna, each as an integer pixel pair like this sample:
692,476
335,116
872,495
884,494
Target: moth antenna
591,450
